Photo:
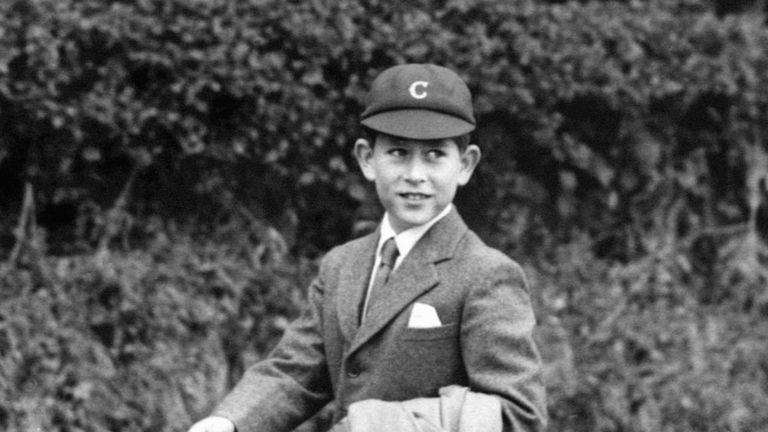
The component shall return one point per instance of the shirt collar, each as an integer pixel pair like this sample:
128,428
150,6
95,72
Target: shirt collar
407,239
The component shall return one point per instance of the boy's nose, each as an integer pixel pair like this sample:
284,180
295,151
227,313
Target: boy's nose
415,172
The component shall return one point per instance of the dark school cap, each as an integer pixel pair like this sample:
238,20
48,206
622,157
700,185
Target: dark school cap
419,101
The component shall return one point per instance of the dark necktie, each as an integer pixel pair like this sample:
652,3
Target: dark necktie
389,255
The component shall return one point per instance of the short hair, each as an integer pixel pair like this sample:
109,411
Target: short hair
462,141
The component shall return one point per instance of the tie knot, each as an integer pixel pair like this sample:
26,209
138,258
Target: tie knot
389,252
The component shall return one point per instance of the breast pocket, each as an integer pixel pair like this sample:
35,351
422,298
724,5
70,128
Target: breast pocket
427,359
446,331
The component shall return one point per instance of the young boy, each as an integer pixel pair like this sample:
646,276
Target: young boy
418,305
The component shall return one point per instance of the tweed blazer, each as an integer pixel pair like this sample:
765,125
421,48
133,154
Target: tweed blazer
484,343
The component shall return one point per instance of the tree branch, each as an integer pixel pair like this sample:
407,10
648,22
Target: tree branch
26,219
116,217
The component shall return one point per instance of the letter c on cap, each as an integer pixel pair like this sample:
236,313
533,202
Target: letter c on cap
413,89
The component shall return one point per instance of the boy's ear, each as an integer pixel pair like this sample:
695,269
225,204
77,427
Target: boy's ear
469,160
364,154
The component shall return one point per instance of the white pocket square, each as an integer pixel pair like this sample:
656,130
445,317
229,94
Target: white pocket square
423,316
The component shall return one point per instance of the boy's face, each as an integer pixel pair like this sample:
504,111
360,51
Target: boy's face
415,180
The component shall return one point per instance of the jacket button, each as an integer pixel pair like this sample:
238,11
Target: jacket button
353,371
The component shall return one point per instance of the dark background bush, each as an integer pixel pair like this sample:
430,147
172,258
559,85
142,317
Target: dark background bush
171,171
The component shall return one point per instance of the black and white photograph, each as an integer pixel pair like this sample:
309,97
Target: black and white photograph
382,216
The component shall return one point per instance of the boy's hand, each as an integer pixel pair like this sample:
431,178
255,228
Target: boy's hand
213,424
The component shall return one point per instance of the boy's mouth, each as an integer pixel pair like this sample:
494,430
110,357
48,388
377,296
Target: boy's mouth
414,196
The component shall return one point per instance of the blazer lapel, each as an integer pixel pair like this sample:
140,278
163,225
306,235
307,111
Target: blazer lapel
353,282
415,275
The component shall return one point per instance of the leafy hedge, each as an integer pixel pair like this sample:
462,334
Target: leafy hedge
178,165
143,340
633,347
590,113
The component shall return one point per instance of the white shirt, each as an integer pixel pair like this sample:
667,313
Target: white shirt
405,241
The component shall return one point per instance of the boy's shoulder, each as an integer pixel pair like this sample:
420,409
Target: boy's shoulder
352,248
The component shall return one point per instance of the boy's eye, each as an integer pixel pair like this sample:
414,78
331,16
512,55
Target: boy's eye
435,153
397,152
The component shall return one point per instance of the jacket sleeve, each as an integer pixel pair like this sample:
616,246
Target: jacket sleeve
497,345
280,392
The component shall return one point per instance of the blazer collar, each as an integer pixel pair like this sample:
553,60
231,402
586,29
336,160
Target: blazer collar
439,243
353,281
415,275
